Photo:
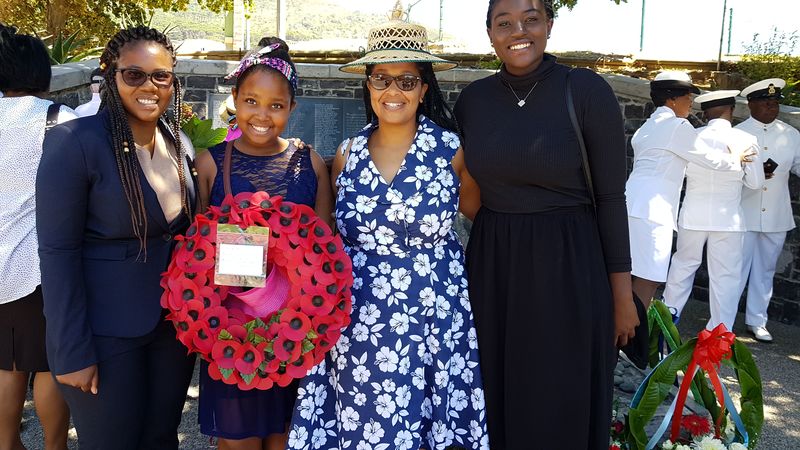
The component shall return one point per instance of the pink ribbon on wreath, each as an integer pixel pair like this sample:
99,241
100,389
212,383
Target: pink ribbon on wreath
712,347
261,302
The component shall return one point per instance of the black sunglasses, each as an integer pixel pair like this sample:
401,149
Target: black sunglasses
381,81
135,77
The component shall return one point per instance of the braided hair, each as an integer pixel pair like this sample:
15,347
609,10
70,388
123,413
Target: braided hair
433,104
24,63
122,136
547,4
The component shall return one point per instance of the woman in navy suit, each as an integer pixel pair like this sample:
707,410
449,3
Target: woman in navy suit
112,190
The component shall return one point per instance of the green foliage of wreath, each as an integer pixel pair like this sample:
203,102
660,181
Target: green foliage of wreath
662,379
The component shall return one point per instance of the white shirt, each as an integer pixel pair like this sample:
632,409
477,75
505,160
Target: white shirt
769,209
89,108
22,122
713,197
661,149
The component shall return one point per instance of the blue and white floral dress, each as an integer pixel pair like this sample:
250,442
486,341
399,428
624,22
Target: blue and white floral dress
405,373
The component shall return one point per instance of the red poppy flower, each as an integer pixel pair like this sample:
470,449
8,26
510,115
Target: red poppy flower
322,325
247,358
223,353
215,374
216,317
286,349
209,297
697,425
263,381
203,338
614,447
300,368
296,325
206,228
238,331
196,256
183,291
282,377
315,305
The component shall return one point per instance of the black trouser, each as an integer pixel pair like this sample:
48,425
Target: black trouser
140,397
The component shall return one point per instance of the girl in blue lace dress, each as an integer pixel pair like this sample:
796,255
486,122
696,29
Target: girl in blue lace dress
259,160
404,375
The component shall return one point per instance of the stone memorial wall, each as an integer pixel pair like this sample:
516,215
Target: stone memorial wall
330,107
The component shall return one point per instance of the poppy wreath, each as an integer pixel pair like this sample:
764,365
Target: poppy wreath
259,352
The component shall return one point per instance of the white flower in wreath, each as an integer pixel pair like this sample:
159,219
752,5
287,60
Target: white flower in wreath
297,437
737,446
381,287
350,419
404,440
710,443
426,142
667,445
373,432
386,360
385,406
451,140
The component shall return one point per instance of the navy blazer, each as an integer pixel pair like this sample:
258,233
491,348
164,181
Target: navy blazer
92,283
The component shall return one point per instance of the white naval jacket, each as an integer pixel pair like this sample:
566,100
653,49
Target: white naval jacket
769,209
713,197
661,149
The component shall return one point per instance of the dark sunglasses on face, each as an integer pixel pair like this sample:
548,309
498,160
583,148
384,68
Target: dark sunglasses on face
381,81
135,77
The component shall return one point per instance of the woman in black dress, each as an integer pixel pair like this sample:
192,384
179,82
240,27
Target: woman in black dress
549,277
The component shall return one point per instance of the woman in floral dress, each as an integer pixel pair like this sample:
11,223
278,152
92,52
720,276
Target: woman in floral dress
404,375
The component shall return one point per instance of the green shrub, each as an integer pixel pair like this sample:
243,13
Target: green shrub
772,58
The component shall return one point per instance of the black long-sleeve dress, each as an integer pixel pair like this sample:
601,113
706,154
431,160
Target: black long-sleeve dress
539,256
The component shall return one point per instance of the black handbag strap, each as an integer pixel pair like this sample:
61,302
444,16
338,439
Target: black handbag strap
587,172
52,116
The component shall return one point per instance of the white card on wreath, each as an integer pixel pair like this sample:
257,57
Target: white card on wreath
240,259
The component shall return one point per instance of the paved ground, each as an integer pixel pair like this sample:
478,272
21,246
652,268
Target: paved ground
778,362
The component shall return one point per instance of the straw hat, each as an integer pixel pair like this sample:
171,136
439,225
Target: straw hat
397,41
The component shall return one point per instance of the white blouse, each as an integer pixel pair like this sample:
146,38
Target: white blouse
22,122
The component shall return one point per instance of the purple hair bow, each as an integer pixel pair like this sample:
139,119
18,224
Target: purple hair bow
261,57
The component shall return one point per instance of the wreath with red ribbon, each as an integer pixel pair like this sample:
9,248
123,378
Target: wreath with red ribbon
258,352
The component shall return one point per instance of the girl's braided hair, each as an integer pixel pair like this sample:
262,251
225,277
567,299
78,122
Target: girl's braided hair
121,135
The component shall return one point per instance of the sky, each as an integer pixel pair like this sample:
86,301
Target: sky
673,29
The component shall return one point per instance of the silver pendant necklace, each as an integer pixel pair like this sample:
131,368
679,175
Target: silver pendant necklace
521,101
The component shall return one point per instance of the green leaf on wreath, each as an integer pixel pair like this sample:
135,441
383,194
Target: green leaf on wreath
263,366
248,378
258,339
312,334
752,397
307,346
224,335
250,326
226,373
269,348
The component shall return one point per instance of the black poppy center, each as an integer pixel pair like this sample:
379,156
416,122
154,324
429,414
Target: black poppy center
266,204
326,267
317,301
205,230
244,204
249,356
194,315
188,294
322,328
295,324
191,231
288,346
213,322
228,352
200,254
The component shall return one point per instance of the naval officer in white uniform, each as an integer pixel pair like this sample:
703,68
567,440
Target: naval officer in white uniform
662,147
768,211
711,215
